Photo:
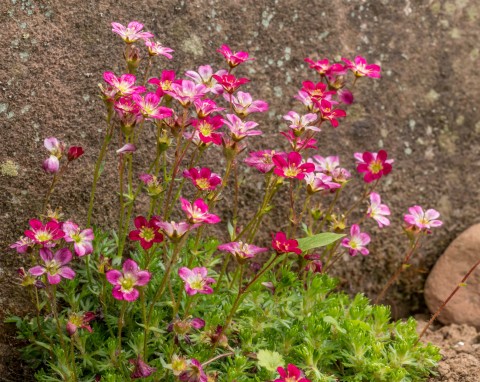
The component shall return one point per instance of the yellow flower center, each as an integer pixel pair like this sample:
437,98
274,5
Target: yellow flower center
291,172
126,283
203,183
44,236
376,166
205,129
147,234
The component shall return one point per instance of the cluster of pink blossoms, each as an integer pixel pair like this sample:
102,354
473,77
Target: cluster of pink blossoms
45,237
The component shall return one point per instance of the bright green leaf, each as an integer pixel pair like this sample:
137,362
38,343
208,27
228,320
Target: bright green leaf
319,240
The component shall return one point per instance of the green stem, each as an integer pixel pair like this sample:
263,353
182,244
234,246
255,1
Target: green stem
120,326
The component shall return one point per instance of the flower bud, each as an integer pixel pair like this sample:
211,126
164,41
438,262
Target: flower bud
132,56
74,152
126,149
51,165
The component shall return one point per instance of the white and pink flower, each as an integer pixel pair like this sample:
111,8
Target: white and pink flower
124,283
377,210
422,220
132,32
54,265
196,280
82,239
241,251
198,212
357,241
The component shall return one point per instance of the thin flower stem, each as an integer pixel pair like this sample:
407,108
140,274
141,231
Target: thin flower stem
441,307
322,222
222,272
120,326
217,358
404,265
147,70
72,354
121,169
40,328
144,319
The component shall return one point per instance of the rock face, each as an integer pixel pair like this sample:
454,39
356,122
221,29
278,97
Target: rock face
449,270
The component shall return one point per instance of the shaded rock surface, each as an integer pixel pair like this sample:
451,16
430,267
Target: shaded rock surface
449,270
421,111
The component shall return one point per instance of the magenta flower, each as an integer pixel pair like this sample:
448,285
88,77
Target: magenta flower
80,321
229,82
281,244
291,166
186,92
374,165
51,165
157,49
43,234
240,129
357,241
23,244
54,265
345,96
124,283
175,231
317,91
82,239
301,123
261,160
205,76
241,251
378,211
147,232
205,107
141,369
243,104
423,220
233,58
291,374
206,128
124,85
361,69
198,212
307,101
203,178
193,373
164,83
330,114
196,280
150,106
320,182
74,152
132,32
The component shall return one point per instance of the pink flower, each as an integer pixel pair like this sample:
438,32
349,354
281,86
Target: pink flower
141,369
127,148
291,374
54,265
186,92
378,211
43,234
240,129
182,328
198,212
147,232
317,91
291,166
307,101
157,49
374,165
241,251
205,76
261,160
324,68
164,83
82,239
361,69
297,143
196,280
301,123
345,96
74,152
243,104
80,321
320,182
175,231
150,106
329,114
205,107
357,241
203,178
132,32
152,184
423,220
229,82
206,128
23,244
124,283
233,58
124,85
193,373
281,244
51,165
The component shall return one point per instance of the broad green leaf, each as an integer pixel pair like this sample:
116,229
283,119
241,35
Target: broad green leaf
318,240
270,360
